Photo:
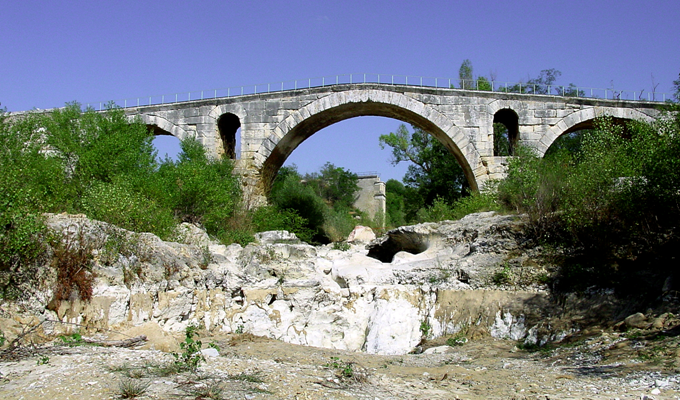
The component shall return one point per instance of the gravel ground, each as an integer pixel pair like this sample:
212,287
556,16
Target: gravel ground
600,366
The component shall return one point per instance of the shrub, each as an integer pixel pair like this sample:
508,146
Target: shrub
615,203
72,256
199,189
476,202
289,193
191,356
338,223
271,218
117,203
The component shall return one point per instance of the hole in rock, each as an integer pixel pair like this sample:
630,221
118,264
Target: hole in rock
396,241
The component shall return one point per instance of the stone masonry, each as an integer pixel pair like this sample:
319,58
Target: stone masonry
371,197
272,125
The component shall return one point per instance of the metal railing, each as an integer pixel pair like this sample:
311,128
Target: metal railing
367,174
421,81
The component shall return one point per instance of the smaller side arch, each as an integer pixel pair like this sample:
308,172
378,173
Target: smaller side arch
505,146
228,126
583,119
161,126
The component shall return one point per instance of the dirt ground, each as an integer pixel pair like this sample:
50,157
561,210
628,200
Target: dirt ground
609,365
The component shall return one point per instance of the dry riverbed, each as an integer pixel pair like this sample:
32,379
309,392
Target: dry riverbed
601,365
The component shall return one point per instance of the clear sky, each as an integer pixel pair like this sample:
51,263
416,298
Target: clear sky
91,51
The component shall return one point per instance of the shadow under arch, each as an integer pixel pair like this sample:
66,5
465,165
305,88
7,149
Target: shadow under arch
314,123
157,130
228,126
508,118
161,126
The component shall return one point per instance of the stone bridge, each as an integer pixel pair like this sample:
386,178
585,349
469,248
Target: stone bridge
273,125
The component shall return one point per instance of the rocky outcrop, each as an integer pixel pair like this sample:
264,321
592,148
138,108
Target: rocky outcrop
416,282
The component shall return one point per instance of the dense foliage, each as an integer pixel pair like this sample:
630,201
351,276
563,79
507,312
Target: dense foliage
434,173
103,165
615,202
323,200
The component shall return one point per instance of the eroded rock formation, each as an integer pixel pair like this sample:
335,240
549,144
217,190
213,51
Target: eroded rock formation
416,282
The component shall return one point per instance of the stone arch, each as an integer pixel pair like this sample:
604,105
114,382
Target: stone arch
509,118
583,119
161,126
235,111
228,127
338,106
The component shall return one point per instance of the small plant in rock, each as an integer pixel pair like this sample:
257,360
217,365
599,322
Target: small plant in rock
347,371
191,356
131,388
458,339
206,257
244,377
342,246
43,360
502,277
425,328
165,369
72,340
211,390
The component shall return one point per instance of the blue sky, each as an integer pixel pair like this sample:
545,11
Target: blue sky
92,51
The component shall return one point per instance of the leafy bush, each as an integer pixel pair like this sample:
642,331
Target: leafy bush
338,223
118,204
615,203
477,202
271,218
199,189
289,193
191,357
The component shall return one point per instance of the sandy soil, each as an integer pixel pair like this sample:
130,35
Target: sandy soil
600,366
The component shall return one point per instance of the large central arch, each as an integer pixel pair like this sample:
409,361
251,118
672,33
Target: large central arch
336,107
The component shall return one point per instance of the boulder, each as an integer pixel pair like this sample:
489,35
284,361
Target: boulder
637,320
361,234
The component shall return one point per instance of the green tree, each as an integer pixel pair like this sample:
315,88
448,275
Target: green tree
336,185
676,87
465,78
94,146
542,84
199,189
290,193
501,141
434,171
483,84
402,203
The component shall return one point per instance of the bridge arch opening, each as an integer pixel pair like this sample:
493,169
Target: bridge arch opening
229,128
505,132
313,124
570,139
165,143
